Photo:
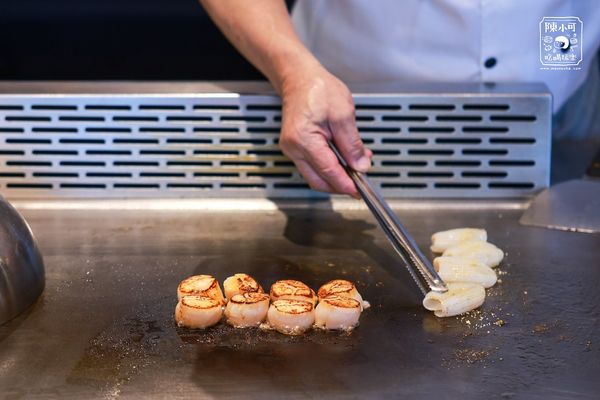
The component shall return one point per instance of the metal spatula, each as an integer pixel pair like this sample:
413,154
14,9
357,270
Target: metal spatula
571,206
418,265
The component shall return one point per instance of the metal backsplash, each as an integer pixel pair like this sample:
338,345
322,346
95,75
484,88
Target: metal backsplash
72,140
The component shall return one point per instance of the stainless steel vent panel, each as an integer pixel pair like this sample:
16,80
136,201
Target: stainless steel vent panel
459,144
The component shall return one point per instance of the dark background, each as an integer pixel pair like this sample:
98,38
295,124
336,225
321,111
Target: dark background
115,39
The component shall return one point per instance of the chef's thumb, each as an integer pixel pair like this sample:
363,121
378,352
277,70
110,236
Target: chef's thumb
351,147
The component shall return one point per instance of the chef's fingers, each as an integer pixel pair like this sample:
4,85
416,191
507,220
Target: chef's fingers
325,163
313,179
346,138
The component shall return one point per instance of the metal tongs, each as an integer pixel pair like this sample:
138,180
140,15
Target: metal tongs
401,240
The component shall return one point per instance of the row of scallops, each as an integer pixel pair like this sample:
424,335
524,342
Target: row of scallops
291,307
465,265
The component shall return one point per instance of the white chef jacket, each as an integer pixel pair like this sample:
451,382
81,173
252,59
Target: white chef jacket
445,40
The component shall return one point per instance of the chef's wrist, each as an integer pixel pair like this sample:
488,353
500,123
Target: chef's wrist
294,69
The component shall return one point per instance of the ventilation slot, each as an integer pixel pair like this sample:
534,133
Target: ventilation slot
54,130
486,107
270,174
190,141
431,174
377,129
81,119
83,163
459,118
432,107
7,107
11,130
511,185
512,140
27,163
404,141
462,163
158,107
243,185
163,174
136,163
108,175
405,118
189,119
190,163
484,174
162,130
431,129
82,186
258,107
189,185
243,119
52,107
215,107
484,129
29,141
377,107
484,152
56,174
108,130
29,185
28,119
136,185
458,140
448,185
512,163
135,119
386,163
403,185
56,152
103,107
431,152
513,118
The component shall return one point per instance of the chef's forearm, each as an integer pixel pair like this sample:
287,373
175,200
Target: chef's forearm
262,31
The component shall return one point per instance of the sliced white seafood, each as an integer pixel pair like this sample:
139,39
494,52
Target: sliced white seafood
460,269
247,309
440,241
292,290
200,285
291,317
240,283
198,312
340,287
460,298
337,312
483,252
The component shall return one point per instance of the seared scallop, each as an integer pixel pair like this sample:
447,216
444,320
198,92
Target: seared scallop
247,309
198,312
291,317
200,285
292,290
240,283
337,312
339,287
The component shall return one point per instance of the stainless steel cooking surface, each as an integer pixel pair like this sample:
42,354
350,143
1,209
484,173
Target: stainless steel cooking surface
104,329
84,139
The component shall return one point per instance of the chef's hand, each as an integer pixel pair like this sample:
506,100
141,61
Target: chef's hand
317,108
